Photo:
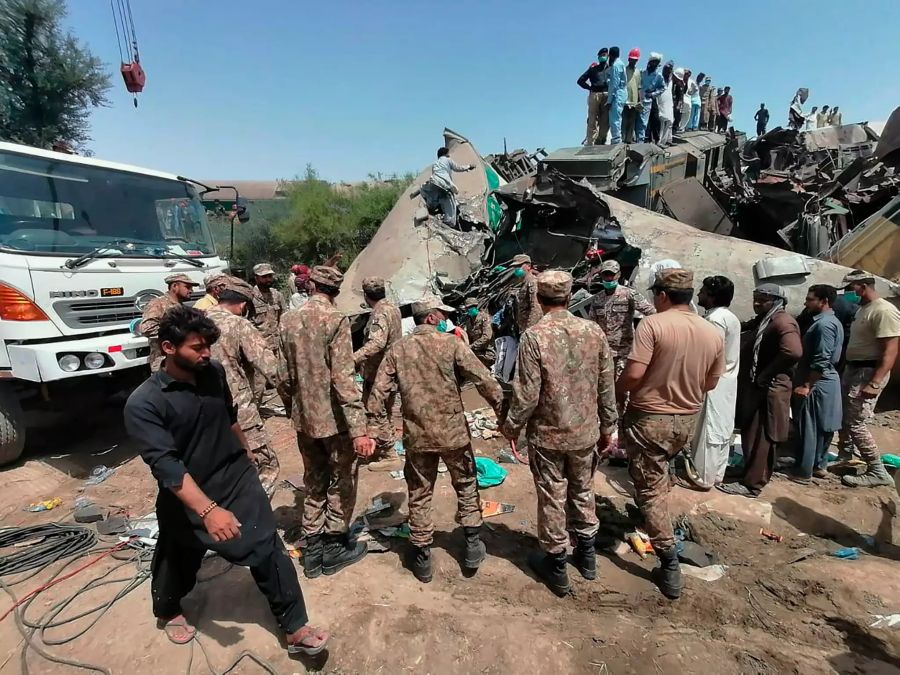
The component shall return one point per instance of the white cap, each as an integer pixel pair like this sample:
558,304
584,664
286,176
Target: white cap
655,56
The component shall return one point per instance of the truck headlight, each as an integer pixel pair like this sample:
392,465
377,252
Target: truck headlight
69,363
94,360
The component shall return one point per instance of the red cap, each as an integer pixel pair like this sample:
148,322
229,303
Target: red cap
634,53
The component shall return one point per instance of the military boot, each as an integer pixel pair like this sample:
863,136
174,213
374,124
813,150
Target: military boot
584,557
475,550
312,556
668,575
551,568
339,552
875,476
421,563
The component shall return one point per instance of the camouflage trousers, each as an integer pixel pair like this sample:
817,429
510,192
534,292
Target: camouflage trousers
564,483
651,441
261,452
619,363
383,428
858,412
421,470
330,473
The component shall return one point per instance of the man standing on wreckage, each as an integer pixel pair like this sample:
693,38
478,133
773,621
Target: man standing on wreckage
439,191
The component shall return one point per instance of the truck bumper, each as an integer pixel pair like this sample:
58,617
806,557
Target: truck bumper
40,362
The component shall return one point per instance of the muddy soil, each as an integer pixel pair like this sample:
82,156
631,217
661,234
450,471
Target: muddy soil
782,607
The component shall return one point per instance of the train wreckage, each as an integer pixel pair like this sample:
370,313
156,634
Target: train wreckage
771,209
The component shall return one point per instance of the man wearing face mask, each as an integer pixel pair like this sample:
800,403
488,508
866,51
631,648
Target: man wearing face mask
613,309
268,306
242,351
871,355
428,368
594,81
528,309
480,332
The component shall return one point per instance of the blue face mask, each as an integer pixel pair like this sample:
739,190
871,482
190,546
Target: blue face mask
473,311
602,59
519,273
610,285
442,326
851,296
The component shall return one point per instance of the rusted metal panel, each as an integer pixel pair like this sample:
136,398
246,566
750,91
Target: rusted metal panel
689,202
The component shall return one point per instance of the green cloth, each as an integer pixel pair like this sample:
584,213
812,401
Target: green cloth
889,460
489,472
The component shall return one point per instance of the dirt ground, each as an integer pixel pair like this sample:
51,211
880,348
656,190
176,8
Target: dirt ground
770,613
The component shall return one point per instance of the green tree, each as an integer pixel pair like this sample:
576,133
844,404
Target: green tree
326,218
49,81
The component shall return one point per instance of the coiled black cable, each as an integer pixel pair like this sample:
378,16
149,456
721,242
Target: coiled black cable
50,542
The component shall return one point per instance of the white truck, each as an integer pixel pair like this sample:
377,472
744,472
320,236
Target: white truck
84,246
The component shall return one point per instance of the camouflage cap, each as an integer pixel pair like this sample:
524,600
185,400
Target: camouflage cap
857,277
470,302
554,284
611,266
372,284
263,269
236,285
183,278
677,279
429,303
521,259
327,276
214,279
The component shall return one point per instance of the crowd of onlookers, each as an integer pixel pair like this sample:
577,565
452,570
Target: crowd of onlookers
635,105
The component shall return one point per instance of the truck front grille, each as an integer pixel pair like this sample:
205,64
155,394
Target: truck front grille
95,312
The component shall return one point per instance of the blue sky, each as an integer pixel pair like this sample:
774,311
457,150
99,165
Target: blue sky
257,89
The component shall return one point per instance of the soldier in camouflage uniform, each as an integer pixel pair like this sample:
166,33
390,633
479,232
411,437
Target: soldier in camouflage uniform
382,330
268,307
242,351
180,288
563,395
330,420
480,332
613,309
677,357
427,367
528,310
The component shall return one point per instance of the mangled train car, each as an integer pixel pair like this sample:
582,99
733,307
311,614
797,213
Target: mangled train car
564,222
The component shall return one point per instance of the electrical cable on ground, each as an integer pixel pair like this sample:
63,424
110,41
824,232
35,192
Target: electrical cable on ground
78,543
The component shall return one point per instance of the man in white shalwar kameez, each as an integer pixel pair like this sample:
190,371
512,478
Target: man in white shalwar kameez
715,426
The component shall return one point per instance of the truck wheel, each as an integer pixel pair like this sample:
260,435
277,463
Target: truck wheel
12,427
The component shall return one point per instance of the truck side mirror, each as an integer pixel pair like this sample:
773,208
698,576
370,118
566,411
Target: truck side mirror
242,206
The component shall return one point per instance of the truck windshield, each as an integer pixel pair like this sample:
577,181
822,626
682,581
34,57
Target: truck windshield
52,207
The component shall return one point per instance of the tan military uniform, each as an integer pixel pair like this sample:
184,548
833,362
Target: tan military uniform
481,337
327,411
427,367
382,330
242,351
269,306
528,311
563,394
150,327
614,313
